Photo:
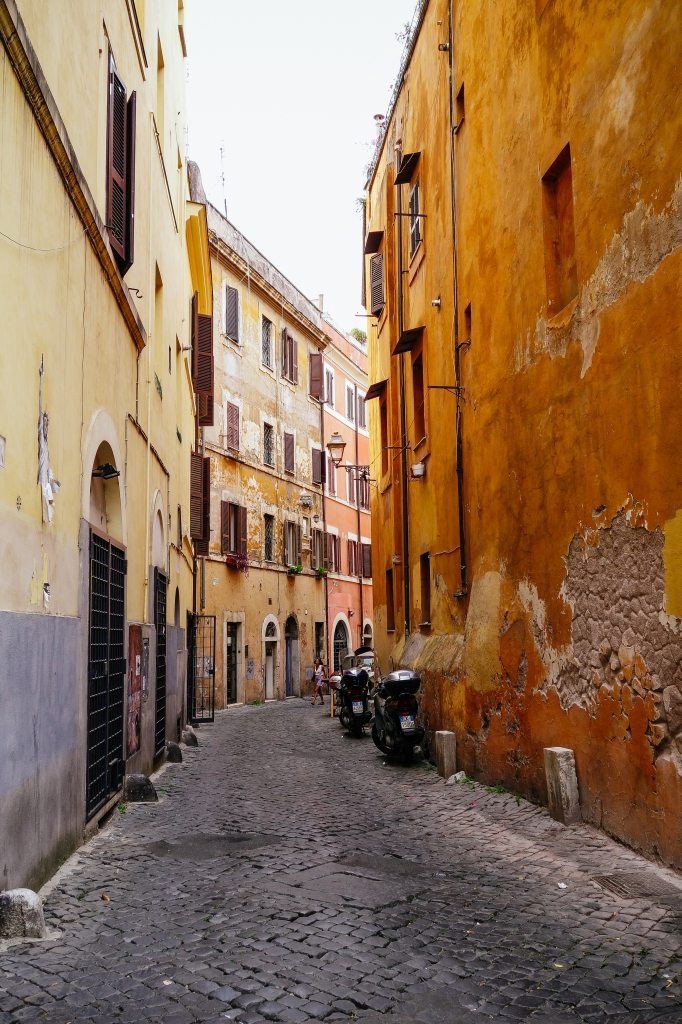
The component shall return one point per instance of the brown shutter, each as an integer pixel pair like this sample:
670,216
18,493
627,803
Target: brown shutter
376,283
241,526
117,140
288,453
130,186
194,337
284,543
204,377
316,375
196,497
294,360
367,561
317,466
232,313
299,543
325,550
201,545
351,485
233,426
284,352
225,527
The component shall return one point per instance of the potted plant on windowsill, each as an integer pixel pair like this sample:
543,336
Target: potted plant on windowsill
237,560
320,572
295,570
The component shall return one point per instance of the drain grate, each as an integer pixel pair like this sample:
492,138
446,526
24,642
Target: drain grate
634,887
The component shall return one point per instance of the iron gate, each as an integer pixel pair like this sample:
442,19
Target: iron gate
106,673
160,588
201,668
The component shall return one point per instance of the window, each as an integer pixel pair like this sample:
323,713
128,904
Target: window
559,233
318,559
306,530
367,561
232,528
376,284
316,368
231,307
333,544
120,182
289,453
350,403
292,544
289,357
460,109
269,534
329,387
180,526
383,413
268,444
319,640
266,342
331,476
232,426
350,480
353,558
390,608
318,466
425,575
201,326
363,490
418,411
362,413
415,221
200,502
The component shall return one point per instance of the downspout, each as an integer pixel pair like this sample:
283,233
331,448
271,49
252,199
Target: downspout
323,474
403,422
150,343
463,573
359,518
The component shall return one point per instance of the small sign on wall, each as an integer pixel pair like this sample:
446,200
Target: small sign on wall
250,668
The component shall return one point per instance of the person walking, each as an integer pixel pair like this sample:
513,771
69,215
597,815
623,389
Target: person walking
318,680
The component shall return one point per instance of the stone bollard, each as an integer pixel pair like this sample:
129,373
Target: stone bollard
446,753
137,788
21,915
189,737
562,785
173,753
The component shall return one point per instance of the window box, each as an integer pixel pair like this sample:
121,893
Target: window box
237,561
295,570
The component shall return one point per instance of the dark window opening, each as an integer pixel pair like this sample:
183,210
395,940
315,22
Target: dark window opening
425,575
418,399
559,233
390,608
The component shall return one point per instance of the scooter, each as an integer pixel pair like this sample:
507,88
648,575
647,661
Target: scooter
353,691
395,731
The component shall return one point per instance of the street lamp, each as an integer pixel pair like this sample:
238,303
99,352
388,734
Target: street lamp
336,447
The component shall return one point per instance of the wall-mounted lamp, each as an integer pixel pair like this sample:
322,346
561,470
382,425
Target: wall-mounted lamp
336,447
106,471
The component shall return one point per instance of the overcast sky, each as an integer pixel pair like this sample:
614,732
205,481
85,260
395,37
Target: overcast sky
289,89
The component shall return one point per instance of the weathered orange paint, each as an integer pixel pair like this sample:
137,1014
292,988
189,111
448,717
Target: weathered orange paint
570,420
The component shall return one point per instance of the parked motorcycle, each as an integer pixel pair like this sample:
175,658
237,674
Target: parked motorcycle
354,711
395,730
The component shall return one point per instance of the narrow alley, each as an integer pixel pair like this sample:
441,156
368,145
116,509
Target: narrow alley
289,874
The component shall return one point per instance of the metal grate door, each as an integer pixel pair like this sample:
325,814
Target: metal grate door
160,588
201,668
105,766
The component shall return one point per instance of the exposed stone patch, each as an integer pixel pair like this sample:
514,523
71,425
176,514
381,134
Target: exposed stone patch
21,915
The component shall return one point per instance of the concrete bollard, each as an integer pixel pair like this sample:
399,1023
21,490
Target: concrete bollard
189,737
137,788
446,753
173,753
21,915
562,785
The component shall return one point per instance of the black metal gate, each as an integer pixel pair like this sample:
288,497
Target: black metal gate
231,636
201,668
106,672
160,588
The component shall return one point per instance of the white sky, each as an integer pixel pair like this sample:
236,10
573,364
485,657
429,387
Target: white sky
290,89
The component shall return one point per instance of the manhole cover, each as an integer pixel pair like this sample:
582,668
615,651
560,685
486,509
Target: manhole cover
635,887
202,846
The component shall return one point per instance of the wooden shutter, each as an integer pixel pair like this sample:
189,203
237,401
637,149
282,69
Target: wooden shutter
196,497
294,360
376,284
232,426
316,376
201,543
350,476
225,527
367,561
241,529
205,410
288,453
130,185
117,145
194,337
232,313
325,550
317,466
284,353
337,548
284,543
299,543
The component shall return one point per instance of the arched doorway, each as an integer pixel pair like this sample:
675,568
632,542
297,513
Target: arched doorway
270,659
292,681
341,644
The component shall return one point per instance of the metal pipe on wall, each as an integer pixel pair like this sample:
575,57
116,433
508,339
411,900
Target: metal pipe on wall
403,417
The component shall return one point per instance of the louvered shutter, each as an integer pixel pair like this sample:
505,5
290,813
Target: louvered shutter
233,426
284,544
351,485
288,453
317,466
294,360
196,497
337,545
205,410
225,527
367,561
232,313
299,543
316,376
130,185
376,284
201,546
284,353
194,337
241,524
117,144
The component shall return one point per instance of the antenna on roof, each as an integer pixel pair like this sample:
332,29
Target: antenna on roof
222,175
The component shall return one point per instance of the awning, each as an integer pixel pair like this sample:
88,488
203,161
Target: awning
407,340
376,390
372,242
407,168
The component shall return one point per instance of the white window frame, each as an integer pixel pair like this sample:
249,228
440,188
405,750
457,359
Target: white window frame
329,391
263,320
414,209
350,403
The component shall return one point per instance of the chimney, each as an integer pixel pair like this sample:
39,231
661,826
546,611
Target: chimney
320,303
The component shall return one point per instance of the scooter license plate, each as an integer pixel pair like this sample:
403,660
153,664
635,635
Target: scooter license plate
407,723
357,707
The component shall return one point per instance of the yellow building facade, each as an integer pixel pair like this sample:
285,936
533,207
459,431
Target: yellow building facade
100,254
522,262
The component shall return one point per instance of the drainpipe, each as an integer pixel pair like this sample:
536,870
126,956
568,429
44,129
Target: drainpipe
403,423
359,518
463,574
324,536
150,344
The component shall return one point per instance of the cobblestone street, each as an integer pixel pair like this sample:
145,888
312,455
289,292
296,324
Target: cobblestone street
287,874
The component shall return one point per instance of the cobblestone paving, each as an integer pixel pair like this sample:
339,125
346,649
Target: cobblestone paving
287,874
